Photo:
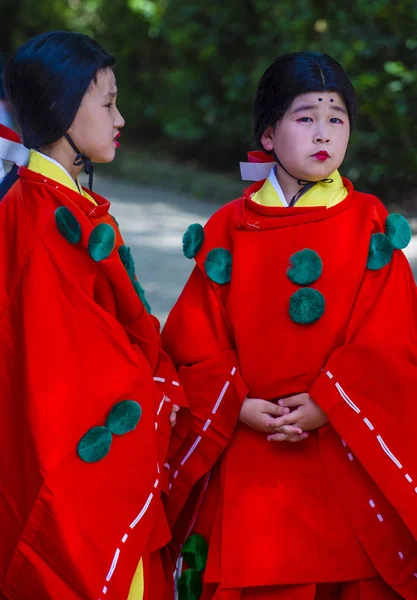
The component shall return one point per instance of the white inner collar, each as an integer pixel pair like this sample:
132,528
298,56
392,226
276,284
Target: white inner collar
273,179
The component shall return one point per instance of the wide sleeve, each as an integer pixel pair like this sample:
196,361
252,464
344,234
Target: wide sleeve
368,386
197,337
79,472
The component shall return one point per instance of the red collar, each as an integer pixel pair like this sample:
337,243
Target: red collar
292,215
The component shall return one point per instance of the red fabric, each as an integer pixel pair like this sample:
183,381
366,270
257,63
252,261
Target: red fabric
336,506
366,589
75,341
258,156
9,134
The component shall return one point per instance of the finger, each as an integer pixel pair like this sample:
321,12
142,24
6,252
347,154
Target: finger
292,401
271,408
173,419
175,408
288,419
298,438
277,437
289,430
283,437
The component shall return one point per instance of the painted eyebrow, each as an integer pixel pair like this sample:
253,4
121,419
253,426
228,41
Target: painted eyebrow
111,94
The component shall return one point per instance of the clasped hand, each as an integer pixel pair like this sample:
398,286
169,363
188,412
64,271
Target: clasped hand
278,420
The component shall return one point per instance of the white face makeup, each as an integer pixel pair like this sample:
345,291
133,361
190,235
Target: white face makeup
98,121
311,139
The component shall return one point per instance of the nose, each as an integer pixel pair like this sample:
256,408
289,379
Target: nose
321,135
119,121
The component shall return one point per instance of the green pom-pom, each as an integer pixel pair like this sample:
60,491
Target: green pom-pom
95,444
398,231
192,240
67,225
306,306
141,293
101,242
127,260
195,552
380,251
189,585
305,267
124,417
218,265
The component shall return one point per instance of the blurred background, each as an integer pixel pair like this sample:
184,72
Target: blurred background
187,71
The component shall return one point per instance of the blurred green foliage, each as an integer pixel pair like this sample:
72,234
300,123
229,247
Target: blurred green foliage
188,69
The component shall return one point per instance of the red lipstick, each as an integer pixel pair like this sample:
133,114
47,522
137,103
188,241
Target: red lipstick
322,155
116,143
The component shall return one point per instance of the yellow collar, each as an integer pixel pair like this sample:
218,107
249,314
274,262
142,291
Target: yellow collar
321,194
39,163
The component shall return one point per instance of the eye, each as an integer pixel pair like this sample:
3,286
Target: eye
305,120
109,105
336,120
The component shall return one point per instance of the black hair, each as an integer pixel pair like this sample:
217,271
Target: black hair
291,75
46,79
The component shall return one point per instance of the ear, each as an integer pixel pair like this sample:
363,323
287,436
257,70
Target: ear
267,138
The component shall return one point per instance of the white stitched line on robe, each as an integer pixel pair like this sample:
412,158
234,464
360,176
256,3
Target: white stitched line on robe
191,450
206,425
113,565
161,405
142,512
368,424
329,375
163,380
401,555
125,536
415,575
350,455
346,398
388,452
344,443
378,437
379,516
220,398
167,466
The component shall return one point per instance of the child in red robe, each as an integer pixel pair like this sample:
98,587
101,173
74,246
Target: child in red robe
87,394
294,475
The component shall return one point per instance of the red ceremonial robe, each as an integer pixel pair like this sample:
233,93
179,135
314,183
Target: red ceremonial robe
342,504
75,341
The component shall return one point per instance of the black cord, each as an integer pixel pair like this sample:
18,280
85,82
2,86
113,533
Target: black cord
82,160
